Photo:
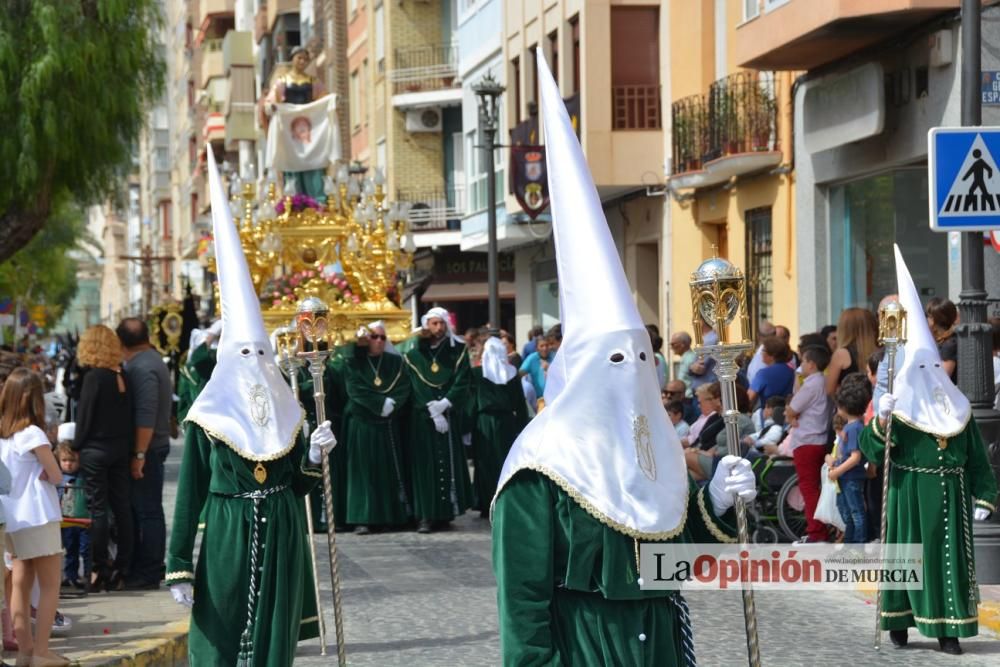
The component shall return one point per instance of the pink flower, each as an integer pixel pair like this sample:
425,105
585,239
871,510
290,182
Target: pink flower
356,299
294,281
276,302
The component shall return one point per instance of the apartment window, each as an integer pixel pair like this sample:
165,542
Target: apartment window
190,90
193,152
751,9
380,154
476,174
365,78
635,68
355,111
533,53
770,5
379,39
352,7
574,26
758,260
166,227
554,54
194,208
515,78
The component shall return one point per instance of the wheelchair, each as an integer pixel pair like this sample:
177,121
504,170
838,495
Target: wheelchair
778,512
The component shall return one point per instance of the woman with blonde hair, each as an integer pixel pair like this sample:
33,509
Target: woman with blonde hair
857,339
103,438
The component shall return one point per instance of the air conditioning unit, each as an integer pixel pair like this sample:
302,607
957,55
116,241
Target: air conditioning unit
423,120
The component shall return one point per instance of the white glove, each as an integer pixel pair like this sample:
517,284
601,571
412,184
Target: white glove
388,407
362,332
438,407
886,404
321,439
733,476
183,594
980,514
440,423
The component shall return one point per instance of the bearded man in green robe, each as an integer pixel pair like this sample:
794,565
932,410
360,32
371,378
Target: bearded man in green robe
940,480
439,371
244,471
377,387
600,470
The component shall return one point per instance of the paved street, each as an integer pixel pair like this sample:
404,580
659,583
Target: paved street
419,600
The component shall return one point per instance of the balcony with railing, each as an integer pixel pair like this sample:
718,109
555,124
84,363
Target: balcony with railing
434,210
731,131
212,64
426,74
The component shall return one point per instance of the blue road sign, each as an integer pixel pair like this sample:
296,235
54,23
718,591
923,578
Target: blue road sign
964,178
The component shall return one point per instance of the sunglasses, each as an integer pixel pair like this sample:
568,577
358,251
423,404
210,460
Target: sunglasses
376,336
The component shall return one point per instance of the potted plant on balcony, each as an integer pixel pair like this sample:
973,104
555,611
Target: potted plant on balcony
762,108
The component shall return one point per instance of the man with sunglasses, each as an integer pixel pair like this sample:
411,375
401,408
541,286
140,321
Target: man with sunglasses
375,385
676,390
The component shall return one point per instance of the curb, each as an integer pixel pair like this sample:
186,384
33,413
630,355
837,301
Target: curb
989,611
167,648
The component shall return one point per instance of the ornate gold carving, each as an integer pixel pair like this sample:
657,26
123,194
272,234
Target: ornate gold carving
370,240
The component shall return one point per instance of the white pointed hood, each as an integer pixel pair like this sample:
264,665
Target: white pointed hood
926,398
604,438
246,403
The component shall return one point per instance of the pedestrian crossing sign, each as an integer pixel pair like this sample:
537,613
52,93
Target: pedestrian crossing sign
964,178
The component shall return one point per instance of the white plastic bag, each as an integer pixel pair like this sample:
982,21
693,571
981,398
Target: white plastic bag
826,508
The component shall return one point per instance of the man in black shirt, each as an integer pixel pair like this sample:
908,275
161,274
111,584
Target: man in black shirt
149,380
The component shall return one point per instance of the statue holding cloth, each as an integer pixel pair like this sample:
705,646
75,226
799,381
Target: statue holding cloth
302,135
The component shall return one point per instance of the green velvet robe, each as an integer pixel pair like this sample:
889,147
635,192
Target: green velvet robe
333,388
285,609
567,590
439,473
377,490
195,373
934,509
498,413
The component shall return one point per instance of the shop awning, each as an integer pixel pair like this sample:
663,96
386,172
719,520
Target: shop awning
464,292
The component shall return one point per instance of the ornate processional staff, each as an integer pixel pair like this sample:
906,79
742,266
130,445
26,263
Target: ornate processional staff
718,296
891,334
287,342
311,319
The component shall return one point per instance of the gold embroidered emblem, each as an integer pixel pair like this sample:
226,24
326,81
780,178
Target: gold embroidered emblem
259,407
644,446
260,473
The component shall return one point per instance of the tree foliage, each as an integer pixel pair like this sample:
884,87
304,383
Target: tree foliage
43,272
76,79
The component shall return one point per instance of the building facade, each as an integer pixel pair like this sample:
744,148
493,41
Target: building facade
878,75
731,182
611,64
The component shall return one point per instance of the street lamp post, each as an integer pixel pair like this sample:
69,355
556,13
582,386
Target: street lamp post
488,90
975,376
